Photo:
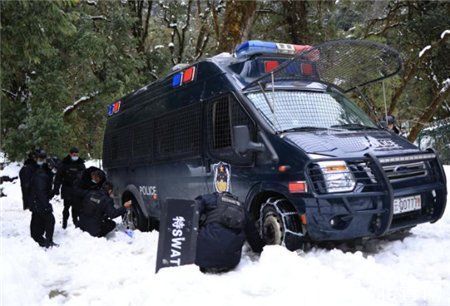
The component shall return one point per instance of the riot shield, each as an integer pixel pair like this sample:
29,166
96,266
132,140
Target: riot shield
177,233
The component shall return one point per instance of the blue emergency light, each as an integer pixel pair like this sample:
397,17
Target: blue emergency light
257,46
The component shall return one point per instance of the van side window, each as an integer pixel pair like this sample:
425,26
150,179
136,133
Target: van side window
142,140
178,133
224,113
117,148
221,124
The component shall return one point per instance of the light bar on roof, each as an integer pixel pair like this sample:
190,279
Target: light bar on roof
114,108
257,46
184,77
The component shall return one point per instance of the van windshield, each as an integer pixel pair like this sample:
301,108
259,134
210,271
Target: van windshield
303,110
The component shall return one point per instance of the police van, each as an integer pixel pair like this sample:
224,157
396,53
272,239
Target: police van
273,125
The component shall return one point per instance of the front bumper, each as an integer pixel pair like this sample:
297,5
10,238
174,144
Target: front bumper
368,211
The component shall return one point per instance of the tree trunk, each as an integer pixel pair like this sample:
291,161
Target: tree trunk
295,13
237,16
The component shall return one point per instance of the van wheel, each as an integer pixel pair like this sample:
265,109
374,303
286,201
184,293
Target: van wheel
272,227
140,222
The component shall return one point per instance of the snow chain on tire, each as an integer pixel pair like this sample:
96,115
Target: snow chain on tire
284,217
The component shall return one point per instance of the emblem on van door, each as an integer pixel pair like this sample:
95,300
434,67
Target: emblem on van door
222,177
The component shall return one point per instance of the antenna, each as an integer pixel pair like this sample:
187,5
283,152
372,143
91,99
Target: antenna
385,104
273,93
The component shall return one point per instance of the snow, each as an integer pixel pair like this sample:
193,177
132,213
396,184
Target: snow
120,270
12,170
424,50
82,99
446,85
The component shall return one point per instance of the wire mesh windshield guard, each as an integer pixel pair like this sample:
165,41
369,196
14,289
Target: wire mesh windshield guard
346,64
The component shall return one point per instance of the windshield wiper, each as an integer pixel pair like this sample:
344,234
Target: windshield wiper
305,128
354,126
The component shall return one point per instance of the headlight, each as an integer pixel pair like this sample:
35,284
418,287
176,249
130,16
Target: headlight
337,176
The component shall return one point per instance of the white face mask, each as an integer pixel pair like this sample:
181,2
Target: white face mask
40,162
74,158
54,170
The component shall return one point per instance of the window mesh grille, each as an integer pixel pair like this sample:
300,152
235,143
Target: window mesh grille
143,139
178,133
295,109
220,124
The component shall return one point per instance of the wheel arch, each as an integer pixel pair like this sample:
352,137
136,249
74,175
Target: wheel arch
260,192
132,191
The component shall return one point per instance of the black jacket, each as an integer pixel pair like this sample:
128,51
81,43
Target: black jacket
68,174
96,207
40,191
218,246
25,174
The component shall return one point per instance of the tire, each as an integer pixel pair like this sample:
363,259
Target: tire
272,226
138,218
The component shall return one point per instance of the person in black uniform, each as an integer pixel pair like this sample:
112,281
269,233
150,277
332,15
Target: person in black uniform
391,124
25,174
40,193
68,173
98,209
224,227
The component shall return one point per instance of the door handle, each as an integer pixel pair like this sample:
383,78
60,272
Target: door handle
207,165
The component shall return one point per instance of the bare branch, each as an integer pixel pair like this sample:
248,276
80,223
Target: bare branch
411,70
83,100
13,95
430,110
100,17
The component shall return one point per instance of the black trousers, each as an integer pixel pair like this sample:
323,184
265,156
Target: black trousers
107,226
25,200
42,223
74,203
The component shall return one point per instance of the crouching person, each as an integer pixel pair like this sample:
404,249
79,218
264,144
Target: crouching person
224,227
98,209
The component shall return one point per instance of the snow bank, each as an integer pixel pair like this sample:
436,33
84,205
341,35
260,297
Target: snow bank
120,270
12,170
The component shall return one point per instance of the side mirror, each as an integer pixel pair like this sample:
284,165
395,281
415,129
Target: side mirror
242,142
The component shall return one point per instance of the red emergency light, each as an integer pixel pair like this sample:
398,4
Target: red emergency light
184,77
270,65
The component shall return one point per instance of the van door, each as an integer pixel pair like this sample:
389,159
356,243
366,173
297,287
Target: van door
177,165
225,168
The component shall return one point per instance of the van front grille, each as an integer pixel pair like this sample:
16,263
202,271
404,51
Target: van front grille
405,171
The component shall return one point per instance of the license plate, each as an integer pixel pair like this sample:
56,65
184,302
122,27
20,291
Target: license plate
402,205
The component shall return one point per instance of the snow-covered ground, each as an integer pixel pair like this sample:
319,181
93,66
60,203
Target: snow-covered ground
120,270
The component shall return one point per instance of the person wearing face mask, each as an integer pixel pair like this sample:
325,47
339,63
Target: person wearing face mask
67,175
98,209
42,223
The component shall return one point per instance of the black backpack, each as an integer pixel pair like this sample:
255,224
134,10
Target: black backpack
229,212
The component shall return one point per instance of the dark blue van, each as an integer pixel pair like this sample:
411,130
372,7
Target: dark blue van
271,124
